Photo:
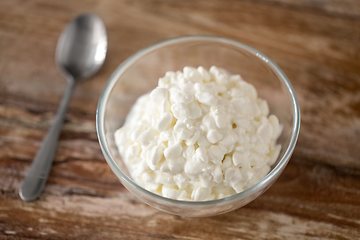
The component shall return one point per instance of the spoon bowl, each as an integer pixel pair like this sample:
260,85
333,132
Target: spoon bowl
82,47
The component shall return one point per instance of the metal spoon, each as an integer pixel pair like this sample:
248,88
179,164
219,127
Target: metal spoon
80,53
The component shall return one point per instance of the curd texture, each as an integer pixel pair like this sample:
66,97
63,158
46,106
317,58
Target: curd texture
200,135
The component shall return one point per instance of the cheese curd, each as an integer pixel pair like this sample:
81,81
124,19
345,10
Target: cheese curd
200,135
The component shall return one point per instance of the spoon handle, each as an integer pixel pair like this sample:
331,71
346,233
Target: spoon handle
38,173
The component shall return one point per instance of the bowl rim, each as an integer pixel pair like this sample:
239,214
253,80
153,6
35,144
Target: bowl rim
100,112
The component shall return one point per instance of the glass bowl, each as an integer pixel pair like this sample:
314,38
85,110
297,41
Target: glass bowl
140,73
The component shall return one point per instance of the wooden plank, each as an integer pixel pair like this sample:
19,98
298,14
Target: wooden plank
316,43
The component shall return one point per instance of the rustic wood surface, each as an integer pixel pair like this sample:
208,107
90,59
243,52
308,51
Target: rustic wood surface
315,42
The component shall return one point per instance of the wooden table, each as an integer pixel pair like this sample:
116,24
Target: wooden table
316,43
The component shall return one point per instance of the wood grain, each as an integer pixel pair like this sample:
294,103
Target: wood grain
316,43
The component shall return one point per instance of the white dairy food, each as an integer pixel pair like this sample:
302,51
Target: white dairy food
200,135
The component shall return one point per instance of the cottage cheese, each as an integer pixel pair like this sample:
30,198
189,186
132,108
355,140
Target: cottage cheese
200,135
